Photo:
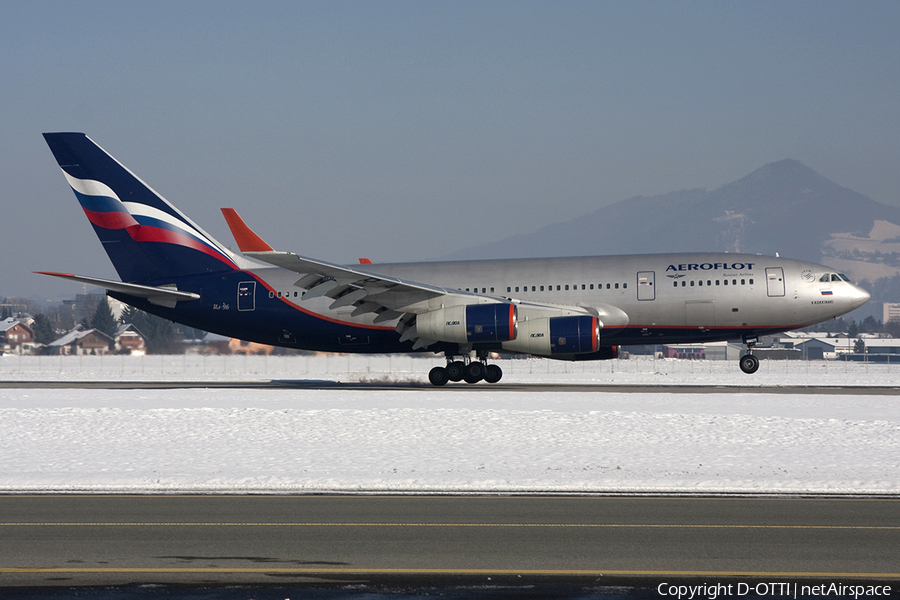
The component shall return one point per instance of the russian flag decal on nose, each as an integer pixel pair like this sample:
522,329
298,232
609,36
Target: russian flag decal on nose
826,293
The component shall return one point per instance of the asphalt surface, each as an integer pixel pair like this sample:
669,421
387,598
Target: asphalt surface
316,384
70,540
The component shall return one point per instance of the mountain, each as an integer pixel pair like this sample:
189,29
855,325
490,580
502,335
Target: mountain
782,207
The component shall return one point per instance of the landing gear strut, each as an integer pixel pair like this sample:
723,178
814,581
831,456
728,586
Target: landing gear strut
749,363
466,370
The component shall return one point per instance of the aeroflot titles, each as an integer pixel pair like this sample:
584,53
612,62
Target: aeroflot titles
711,266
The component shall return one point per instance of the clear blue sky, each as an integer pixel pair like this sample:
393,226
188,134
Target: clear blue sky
407,130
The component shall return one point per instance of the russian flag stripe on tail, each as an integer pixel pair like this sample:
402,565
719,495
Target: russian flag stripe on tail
146,237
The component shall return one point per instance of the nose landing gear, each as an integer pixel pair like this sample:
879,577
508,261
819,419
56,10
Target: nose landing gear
749,363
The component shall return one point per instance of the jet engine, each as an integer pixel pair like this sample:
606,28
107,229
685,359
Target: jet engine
548,336
469,323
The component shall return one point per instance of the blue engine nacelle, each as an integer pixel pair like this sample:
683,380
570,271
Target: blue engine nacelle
470,323
549,336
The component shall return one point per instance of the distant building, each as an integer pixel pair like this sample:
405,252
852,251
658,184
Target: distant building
707,351
15,336
80,341
891,312
129,340
685,351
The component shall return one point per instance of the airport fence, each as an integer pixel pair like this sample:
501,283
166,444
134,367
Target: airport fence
400,367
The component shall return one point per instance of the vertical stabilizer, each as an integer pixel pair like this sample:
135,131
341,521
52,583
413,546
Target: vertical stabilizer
147,239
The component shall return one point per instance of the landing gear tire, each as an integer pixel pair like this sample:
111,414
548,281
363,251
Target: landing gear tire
749,364
438,376
456,370
474,372
493,373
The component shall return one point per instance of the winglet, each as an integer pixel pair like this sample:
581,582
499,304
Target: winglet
365,261
246,240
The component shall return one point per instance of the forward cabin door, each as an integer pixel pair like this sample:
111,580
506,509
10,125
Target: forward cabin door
646,285
775,281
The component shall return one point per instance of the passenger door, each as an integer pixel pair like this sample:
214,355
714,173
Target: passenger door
775,281
646,289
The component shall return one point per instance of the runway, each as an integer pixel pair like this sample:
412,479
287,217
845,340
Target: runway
323,384
74,540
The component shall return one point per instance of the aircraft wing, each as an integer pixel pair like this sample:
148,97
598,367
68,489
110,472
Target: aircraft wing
390,298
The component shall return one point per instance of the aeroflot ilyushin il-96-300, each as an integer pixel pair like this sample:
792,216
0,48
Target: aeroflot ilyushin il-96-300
564,308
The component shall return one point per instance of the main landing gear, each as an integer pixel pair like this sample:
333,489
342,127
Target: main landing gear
470,371
749,363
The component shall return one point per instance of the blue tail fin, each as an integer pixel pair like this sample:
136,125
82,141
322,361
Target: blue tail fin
147,239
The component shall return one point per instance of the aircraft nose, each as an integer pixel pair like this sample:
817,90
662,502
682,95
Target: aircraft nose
859,296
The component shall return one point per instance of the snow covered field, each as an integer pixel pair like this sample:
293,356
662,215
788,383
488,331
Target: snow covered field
456,440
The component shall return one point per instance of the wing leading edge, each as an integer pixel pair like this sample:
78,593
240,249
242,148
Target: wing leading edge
390,298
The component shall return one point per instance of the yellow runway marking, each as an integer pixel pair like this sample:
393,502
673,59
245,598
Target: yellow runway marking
494,525
350,571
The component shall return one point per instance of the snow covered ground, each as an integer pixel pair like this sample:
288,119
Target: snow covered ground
457,440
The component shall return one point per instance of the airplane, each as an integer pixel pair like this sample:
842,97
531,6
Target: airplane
581,308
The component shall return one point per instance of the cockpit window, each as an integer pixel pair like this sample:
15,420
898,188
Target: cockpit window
844,277
835,277
825,277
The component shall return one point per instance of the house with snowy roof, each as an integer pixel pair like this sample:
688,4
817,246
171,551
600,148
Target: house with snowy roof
15,336
80,341
129,340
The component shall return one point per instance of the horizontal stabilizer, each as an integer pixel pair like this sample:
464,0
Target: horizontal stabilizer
161,296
